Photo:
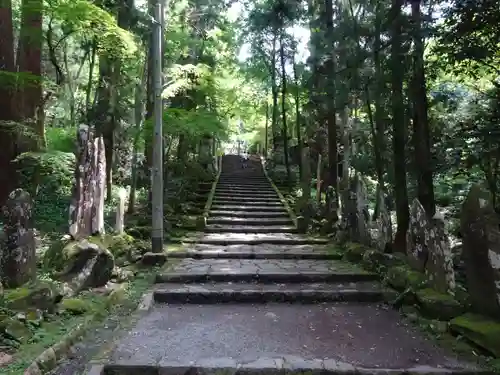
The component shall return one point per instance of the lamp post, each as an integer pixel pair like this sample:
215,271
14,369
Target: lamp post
157,170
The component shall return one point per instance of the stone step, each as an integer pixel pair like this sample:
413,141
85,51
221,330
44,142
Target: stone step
247,207
245,190
253,193
245,182
248,221
228,254
243,175
264,271
255,239
255,202
248,214
217,228
243,186
271,339
267,293
247,198
266,251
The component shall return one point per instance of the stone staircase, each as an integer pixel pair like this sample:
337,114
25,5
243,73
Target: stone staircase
252,296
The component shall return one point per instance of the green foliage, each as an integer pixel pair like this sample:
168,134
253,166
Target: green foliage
60,139
48,177
84,18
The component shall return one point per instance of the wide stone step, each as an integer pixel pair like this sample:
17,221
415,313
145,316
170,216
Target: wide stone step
263,251
244,339
264,271
266,293
249,221
253,203
248,214
247,198
244,186
247,207
216,228
239,193
247,190
243,176
255,239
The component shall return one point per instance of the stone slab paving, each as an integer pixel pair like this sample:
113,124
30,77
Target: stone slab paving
257,238
263,270
263,251
367,336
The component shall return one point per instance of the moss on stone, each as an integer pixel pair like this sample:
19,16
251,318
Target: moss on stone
437,305
480,330
402,277
38,295
15,329
378,261
75,306
354,251
336,252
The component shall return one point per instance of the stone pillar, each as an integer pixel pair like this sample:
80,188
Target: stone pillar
18,250
304,203
481,252
429,249
87,204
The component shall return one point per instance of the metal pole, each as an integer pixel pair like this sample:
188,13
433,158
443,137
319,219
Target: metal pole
157,170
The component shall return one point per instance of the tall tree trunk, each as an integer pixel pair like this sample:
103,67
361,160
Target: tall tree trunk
378,141
332,121
274,90
283,108
421,136
399,129
297,113
8,149
88,90
266,135
30,63
148,146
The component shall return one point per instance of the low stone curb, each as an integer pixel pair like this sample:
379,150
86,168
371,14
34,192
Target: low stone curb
49,358
202,221
282,198
267,366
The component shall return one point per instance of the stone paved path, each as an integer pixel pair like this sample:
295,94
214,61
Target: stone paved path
253,296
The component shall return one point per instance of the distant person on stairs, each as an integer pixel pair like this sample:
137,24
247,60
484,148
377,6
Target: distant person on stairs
244,160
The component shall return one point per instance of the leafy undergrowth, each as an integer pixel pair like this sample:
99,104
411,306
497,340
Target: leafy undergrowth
90,307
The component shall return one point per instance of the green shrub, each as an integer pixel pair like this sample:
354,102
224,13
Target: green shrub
60,139
48,176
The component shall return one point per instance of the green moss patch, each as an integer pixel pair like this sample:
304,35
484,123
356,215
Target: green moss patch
88,307
437,305
378,261
335,251
482,331
402,278
354,251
